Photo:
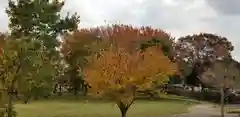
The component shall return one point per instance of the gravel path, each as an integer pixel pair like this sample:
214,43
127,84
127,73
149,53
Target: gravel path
204,110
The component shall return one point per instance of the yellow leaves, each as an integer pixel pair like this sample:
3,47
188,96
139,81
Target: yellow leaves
115,72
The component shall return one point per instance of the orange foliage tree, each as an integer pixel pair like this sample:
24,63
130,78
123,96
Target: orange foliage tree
128,36
118,74
82,43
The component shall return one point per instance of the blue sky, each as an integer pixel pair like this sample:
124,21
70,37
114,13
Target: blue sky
178,17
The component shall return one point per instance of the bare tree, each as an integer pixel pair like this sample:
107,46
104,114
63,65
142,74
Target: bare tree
194,53
221,75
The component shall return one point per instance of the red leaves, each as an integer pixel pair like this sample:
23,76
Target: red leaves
128,36
80,43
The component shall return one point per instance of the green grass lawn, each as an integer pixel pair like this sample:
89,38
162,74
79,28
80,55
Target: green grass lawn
233,110
80,108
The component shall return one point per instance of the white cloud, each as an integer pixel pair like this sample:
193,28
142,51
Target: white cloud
3,16
225,7
179,17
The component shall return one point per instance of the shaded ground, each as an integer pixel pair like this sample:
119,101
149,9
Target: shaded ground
204,110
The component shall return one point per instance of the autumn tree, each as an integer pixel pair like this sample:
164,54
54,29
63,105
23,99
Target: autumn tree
22,67
3,102
126,36
117,74
3,95
195,53
222,75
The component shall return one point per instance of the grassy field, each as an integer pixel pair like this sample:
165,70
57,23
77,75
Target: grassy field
80,108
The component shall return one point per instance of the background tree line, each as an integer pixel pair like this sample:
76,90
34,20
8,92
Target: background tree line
36,63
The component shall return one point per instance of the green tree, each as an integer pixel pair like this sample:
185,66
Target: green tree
75,48
154,42
21,66
85,42
40,19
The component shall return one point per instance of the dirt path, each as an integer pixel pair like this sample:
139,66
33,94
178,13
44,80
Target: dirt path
203,110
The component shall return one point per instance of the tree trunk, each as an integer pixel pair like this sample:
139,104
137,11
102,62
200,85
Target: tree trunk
85,90
75,92
9,107
82,86
27,97
55,88
124,108
26,100
60,90
222,102
124,112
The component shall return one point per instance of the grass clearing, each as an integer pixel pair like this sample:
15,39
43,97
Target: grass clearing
81,108
233,110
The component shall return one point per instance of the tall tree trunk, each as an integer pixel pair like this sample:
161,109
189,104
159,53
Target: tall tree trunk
222,102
